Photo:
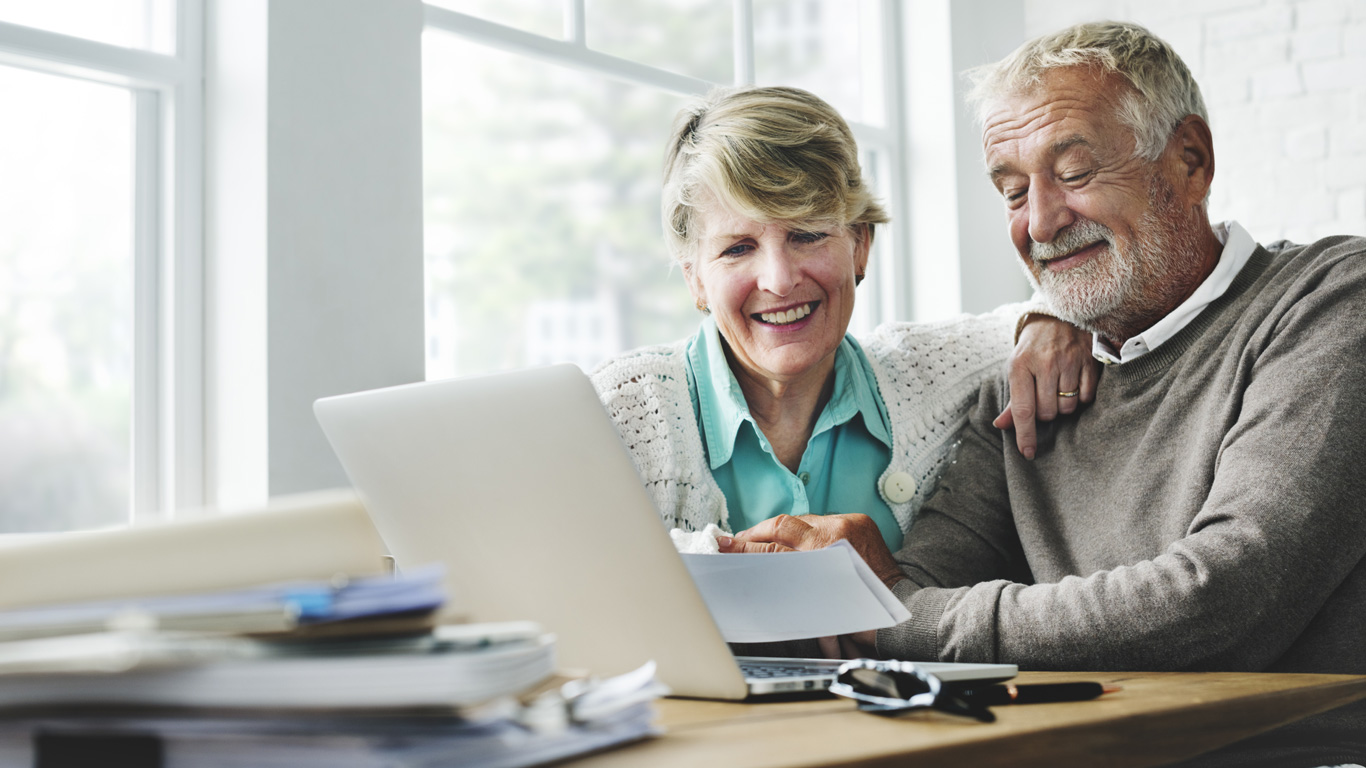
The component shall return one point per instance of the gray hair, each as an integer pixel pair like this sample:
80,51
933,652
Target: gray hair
773,154
1164,92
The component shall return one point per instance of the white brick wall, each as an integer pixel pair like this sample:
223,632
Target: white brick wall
1285,82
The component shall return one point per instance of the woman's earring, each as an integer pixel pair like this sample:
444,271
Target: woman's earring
858,278
702,307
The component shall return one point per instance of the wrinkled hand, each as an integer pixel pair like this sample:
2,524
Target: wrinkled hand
860,645
786,533
1051,357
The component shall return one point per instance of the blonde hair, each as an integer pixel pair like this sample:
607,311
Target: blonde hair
772,154
1164,93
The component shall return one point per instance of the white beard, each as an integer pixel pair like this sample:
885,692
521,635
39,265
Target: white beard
1089,291
1120,292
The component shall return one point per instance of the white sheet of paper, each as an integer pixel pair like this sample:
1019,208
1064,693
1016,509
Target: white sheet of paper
762,598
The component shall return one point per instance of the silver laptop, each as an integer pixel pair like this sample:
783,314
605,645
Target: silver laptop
519,483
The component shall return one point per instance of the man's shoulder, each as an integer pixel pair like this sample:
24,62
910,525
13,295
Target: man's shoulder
1341,254
1329,271
1332,243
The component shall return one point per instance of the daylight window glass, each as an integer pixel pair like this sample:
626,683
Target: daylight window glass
823,46
128,23
66,302
543,17
542,232
689,37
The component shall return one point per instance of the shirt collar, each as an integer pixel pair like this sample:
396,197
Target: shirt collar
722,409
1238,248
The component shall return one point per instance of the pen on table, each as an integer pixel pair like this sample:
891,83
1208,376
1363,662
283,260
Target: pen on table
1038,693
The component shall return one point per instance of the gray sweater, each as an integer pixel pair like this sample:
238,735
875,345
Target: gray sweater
1207,512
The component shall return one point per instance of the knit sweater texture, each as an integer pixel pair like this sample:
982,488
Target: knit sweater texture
1206,512
928,375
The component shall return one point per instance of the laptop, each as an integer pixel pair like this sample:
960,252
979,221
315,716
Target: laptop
519,484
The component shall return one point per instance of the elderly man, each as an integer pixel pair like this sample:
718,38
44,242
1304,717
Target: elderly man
1208,510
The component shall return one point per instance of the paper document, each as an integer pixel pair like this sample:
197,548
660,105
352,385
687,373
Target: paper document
758,598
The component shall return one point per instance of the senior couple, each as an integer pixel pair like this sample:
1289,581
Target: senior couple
1206,511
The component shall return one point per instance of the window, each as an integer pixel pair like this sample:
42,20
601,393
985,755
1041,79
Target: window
543,154
99,301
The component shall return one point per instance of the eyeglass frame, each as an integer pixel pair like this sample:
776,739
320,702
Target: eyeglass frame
937,697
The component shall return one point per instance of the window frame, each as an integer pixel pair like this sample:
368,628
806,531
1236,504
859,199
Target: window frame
887,142
167,90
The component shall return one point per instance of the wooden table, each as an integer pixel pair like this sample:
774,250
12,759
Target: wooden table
1158,718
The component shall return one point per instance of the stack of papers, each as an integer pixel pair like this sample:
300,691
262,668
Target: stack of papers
554,727
121,651
439,697
275,638
272,608
159,669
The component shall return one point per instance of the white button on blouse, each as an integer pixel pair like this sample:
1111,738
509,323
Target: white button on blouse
898,487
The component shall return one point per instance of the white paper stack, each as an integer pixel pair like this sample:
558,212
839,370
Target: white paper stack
214,672
493,737
274,638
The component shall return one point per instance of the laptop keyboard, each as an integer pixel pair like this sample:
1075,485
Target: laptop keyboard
772,669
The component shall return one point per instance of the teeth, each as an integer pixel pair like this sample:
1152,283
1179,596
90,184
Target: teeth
783,318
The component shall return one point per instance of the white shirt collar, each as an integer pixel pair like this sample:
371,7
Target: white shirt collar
1238,248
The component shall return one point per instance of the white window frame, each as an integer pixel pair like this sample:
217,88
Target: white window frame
892,301
168,94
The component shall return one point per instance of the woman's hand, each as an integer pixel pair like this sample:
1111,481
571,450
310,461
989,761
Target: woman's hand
786,533
1051,358
860,645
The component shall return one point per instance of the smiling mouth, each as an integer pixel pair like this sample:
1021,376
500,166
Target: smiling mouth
786,317
1065,260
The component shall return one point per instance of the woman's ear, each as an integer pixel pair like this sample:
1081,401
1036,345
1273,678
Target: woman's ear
863,245
695,287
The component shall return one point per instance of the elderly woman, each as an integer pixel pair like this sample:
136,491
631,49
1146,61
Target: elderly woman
772,407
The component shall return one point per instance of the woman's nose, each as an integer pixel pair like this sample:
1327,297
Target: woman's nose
778,272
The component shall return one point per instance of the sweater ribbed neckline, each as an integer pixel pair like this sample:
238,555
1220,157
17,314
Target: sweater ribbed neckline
1164,356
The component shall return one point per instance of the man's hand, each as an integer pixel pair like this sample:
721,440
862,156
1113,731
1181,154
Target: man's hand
1052,357
786,533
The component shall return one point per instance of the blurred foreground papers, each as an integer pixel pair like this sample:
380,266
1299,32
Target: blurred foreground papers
301,607
589,716
763,598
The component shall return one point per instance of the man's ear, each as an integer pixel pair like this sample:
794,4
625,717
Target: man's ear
1195,144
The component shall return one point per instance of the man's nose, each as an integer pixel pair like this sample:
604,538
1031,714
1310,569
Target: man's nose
778,272
1048,212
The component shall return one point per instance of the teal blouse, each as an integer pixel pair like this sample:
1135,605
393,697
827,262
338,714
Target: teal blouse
849,448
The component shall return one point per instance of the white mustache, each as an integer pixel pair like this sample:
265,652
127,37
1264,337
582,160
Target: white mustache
1070,240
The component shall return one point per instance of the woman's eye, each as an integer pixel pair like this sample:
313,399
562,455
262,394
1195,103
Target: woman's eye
808,237
739,249
1076,177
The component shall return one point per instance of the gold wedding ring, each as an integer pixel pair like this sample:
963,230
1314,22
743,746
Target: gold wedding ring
1073,393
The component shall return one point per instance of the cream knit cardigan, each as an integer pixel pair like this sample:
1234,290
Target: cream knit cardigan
928,374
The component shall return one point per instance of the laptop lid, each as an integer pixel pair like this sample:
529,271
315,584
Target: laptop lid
519,484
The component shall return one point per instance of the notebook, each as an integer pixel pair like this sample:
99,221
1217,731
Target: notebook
519,484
